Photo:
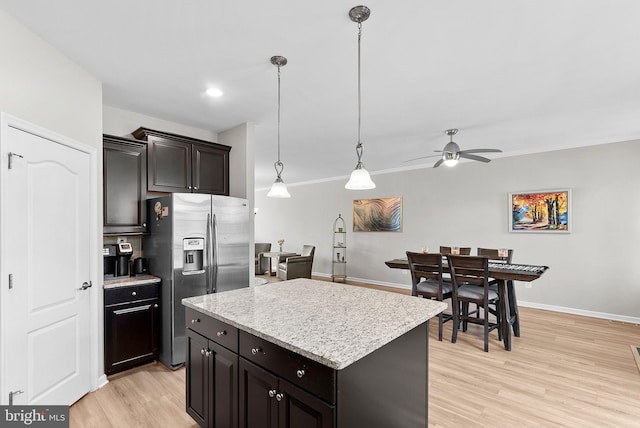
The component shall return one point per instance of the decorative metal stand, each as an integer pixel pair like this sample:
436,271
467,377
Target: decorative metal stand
339,257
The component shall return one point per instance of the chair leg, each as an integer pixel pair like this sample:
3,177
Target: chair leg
486,331
465,313
499,320
456,321
440,322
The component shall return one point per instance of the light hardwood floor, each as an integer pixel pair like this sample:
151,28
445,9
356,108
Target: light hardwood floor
564,371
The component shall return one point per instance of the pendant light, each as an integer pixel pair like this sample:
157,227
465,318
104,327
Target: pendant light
278,188
360,178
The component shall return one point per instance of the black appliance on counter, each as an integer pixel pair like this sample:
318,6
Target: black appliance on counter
116,259
140,266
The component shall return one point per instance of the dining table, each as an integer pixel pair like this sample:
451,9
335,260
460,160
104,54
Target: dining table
276,255
504,274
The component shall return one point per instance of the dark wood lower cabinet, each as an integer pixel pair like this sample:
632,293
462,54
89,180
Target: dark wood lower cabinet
212,383
132,319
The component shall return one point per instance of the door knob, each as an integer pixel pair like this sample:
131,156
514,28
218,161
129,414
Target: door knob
85,285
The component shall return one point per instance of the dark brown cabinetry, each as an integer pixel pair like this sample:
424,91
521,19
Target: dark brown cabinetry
181,164
258,385
131,320
268,401
212,382
124,186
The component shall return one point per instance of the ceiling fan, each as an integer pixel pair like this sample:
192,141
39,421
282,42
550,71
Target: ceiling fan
452,153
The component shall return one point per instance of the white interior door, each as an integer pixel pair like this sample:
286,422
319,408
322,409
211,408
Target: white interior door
46,323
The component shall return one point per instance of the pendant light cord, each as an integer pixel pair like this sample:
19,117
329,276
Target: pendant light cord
359,147
279,115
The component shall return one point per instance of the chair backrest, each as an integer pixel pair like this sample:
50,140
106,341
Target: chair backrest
464,251
494,255
308,251
469,270
262,247
427,266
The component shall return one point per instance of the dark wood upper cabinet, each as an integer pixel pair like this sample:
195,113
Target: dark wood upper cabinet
124,186
183,164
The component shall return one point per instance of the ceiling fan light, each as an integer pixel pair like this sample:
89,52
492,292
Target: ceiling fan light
360,179
450,159
278,189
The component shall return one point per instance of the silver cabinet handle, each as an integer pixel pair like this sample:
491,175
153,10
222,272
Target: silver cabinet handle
195,188
279,396
255,351
300,373
155,306
133,293
208,353
202,351
272,393
189,187
221,333
195,320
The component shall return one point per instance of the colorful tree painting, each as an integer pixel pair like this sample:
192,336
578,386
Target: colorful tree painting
540,211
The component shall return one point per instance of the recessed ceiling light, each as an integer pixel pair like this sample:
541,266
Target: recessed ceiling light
214,92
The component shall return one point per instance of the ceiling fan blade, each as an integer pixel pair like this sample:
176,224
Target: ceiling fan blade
481,151
421,157
474,157
437,164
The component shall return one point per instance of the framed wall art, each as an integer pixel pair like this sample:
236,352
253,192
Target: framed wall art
546,211
377,214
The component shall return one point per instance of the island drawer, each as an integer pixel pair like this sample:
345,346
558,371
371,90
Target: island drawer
307,374
213,329
130,293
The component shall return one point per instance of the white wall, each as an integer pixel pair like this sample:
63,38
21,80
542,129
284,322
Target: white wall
593,270
123,122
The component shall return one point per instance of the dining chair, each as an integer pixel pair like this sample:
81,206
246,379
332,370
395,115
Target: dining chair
427,282
493,255
470,280
464,251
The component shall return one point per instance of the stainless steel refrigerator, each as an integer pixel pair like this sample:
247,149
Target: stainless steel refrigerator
198,244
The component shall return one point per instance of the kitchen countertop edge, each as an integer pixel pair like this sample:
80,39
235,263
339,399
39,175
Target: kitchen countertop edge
127,281
352,348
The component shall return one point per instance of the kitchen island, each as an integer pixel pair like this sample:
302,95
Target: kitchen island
305,353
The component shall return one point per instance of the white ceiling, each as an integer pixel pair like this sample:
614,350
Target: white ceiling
519,75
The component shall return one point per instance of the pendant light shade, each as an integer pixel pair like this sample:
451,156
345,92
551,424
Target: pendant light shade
360,178
278,189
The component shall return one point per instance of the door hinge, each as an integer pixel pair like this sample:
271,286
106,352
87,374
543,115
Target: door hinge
12,394
11,155
10,281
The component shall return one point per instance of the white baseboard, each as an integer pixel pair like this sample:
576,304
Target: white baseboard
553,308
102,381
592,314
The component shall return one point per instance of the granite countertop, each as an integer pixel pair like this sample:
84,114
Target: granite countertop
125,281
333,324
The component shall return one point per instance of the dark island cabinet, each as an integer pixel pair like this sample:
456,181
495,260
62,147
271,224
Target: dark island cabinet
268,401
124,186
132,326
182,164
212,383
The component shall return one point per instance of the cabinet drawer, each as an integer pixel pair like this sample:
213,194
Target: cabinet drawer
213,329
116,295
309,375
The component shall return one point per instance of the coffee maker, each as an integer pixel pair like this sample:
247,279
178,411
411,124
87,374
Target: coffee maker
116,259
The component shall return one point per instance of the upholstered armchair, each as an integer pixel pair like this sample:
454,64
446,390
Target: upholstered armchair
262,263
298,266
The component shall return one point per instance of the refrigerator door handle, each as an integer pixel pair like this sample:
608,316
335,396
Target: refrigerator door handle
214,245
207,274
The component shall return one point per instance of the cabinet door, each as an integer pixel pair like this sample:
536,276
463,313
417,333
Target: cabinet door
124,186
210,169
130,331
257,408
224,376
169,166
197,378
299,409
